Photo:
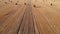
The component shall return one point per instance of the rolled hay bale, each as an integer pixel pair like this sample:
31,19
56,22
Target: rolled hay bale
6,3
11,1
0,1
24,3
34,5
16,3
51,4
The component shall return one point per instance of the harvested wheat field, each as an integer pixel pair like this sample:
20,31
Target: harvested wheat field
29,16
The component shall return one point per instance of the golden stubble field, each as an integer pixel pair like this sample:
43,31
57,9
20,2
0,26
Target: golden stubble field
46,15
